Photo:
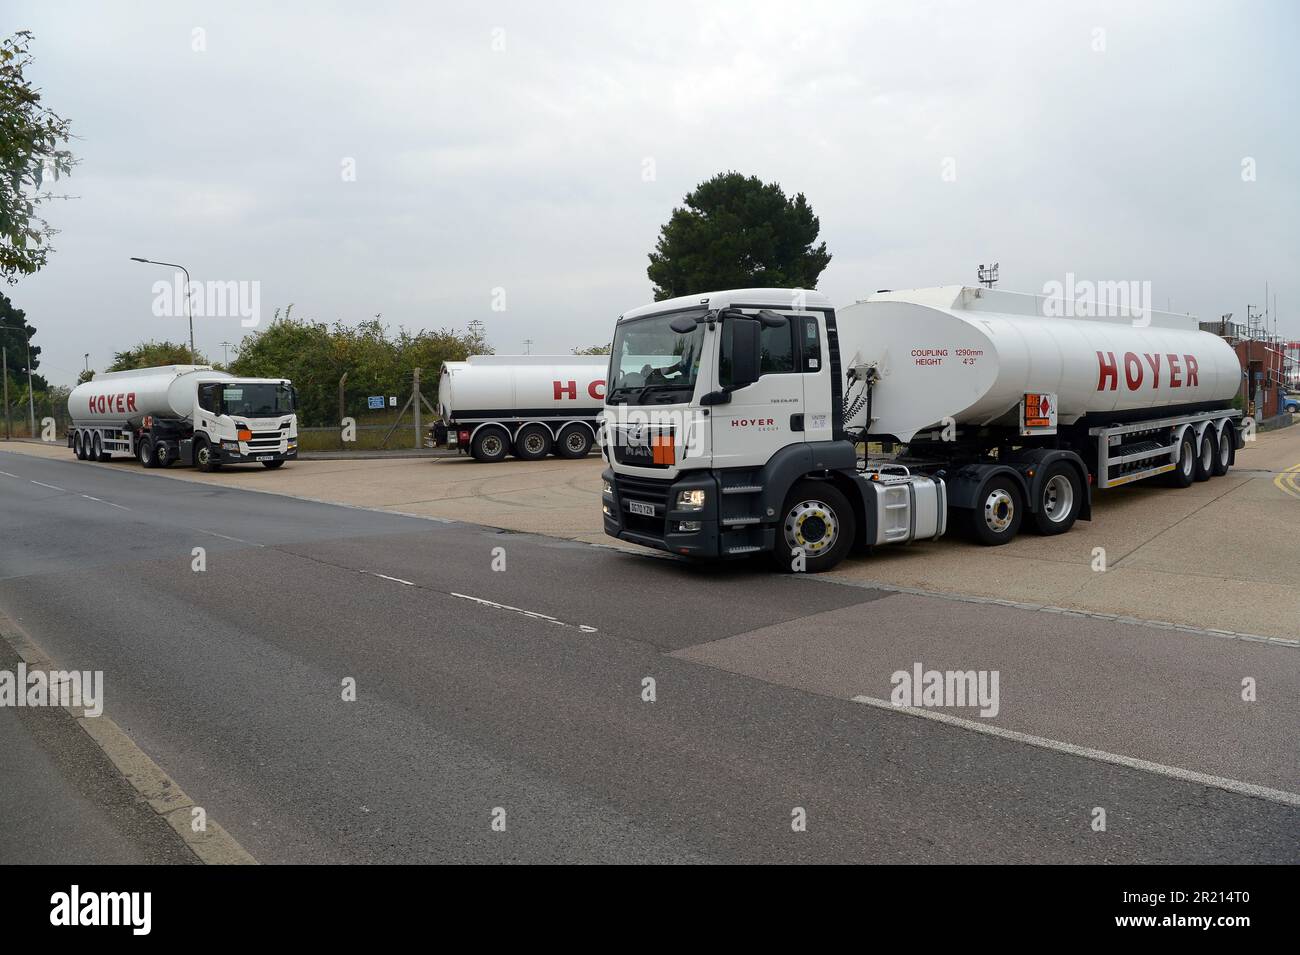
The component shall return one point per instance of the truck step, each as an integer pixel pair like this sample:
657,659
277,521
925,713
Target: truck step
742,489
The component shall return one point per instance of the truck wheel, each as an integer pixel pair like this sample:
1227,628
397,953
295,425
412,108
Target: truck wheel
271,465
1209,452
76,447
818,521
205,459
997,513
1058,500
1223,460
97,449
574,442
145,453
1184,472
489,445
532,443
163,455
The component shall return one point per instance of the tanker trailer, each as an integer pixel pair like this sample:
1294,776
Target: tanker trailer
189,414
992,410
526,405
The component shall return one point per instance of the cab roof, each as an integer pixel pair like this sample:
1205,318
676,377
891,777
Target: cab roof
762,297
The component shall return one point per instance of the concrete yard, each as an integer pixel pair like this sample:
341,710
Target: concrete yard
1219,555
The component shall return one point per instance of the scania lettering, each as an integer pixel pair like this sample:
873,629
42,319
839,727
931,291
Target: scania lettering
187,414
991,411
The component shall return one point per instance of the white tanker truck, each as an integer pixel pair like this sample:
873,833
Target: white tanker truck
526,405
995,411
189,414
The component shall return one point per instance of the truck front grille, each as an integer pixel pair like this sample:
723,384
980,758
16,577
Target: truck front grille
647,491
264,441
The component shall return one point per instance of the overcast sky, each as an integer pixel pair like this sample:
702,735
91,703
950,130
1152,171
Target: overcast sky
537,148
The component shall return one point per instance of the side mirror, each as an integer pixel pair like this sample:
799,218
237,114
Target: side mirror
683,325
745,334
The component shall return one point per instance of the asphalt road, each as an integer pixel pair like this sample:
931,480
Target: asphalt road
482,690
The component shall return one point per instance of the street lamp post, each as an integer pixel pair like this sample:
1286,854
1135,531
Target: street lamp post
194,360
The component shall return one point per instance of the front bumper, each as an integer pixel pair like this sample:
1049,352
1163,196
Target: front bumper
254,456
663,530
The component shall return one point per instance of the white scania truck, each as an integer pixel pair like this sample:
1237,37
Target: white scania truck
189,414
526,405
733,419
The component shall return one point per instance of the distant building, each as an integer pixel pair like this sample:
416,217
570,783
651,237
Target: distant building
1270,366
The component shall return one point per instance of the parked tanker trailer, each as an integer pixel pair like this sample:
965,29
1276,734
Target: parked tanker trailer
738,422
187,414
526,405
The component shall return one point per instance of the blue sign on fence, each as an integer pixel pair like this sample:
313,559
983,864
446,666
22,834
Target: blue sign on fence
375,402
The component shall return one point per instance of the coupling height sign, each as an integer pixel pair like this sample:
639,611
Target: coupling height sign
1038,413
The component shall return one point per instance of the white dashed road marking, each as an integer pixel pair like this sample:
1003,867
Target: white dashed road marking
1101,756
50,486
527,613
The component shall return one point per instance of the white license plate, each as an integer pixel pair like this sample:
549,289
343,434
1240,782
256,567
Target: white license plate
266,457
636,507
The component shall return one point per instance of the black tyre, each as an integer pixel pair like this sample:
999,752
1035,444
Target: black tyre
205,458
574,442
271,465
998,511
164,455
817,525
1207,452
97,449
76,447
532,442
145,452
1223,459
1184,472
1060,494
490,445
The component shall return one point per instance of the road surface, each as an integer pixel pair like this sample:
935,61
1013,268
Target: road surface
502,678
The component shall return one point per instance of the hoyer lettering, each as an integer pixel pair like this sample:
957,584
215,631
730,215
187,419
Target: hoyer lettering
1176,371
122,403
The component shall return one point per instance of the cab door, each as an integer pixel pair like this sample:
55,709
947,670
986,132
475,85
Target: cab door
768,414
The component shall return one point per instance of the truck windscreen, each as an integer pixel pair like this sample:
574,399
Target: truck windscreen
257,400
651,363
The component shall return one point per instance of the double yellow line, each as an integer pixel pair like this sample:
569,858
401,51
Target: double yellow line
1288,482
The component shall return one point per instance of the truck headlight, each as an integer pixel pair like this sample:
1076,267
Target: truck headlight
692,500
606,487
230,445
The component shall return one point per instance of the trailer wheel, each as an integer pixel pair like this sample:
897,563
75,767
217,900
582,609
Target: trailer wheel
145,452
76,447
1223,460
1058,500
997,513
532,442
574,442
1184,473
98,453
490,445
817,521
1208,454
204,457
